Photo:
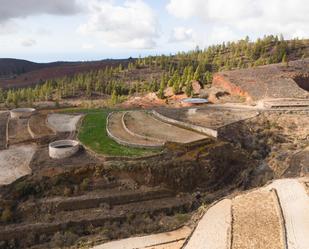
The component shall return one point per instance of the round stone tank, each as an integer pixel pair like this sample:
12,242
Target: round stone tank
63,148
22,112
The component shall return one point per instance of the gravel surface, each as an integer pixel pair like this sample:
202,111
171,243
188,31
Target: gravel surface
213,231
256,221
154,241
14,163
63,122
294,201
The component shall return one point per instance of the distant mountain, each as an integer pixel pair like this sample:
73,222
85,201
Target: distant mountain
10,67
20,73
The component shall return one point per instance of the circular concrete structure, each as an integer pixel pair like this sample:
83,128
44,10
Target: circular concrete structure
22,112
196,101
63,148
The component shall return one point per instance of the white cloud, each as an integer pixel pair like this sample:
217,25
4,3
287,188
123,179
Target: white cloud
28,42
23,8
130,25
257,17
182,34
8,27
87,46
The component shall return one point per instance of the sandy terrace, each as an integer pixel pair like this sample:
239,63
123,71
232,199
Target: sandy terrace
256,222
18,131
294,202
213,231
38,126
14,163
208,117
116,128
145,124
169,240
3,127
63,122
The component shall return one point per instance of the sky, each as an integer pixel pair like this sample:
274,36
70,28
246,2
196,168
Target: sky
70,30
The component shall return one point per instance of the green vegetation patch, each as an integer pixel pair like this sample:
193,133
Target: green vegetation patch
93,134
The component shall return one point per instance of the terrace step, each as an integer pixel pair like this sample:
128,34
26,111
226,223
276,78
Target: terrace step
146,125
96,217
94,199
116,131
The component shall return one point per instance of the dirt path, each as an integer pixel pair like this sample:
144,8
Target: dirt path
117,130
14,163
169,240
213,231
146,125
256,222
294,201
63,122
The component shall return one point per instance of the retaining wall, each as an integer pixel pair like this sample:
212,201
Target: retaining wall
125,143
200,129
135,134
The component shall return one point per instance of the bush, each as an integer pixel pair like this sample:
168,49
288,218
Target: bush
6,215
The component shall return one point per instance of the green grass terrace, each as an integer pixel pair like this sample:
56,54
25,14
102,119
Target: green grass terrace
93,135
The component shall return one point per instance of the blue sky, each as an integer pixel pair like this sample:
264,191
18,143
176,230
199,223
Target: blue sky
52,30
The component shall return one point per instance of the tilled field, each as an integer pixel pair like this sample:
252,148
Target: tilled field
117,130
256,222
145,124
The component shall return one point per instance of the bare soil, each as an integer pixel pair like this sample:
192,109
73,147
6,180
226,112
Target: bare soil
63,122
18,131
145,124
116,128
3,129
14,163
256,222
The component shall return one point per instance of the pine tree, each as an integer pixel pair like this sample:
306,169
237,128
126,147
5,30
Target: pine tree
189,90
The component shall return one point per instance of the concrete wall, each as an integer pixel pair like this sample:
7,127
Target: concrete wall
125,143
203,130
22,112
60,153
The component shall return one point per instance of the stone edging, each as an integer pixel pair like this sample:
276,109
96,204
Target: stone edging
200,129
281,217
120,141
135,134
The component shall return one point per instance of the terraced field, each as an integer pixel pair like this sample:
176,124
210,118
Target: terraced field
140,129
276,216
118,132
144,124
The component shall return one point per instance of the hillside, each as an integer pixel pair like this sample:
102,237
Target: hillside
149,74
267,82
20,73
